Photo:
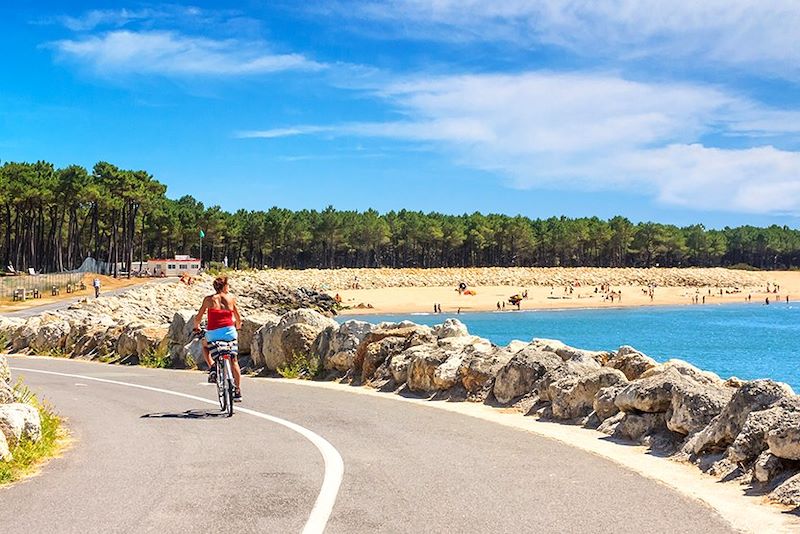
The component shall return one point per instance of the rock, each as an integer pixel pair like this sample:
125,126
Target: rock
377,353
6,392
450,328
150,339
686,369
634,427
5,371
567,369
20,421
445,375
695,405
49,336
631,362
767,467
399,363
651,394
788,492
423,367
523,370
412,335
784,442
565,352
752,440
723,429
479,368
251,323
294,333
181,327
5,451
603,404
344,344
573,397
126,343
24,334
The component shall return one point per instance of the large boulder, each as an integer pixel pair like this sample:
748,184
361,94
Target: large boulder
20,421
723,429
6,391
450,328
50,336
445,375
421,371
651,394
788,492
379,352
752,440
181,327
767,466
686,369
344,344
150,339
694,405
567,369
293,334
25,334
518,377
250,324
603,404
5,371
5,450
573,397
784,442
631,362
126,343
565,352
634,427
479,368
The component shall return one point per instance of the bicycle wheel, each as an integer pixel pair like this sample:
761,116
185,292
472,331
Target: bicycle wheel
230,390
221,386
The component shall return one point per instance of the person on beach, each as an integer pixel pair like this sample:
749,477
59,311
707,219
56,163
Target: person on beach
498,306
766,301
224,322
96,286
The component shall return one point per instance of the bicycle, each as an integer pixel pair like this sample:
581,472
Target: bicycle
223,352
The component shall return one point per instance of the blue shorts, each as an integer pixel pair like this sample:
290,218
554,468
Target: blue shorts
226,333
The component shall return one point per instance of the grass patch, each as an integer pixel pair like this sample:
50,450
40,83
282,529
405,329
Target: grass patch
3,341
58,353
29,455
303,366
158,358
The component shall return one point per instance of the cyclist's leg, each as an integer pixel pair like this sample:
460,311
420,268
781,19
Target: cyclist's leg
207,355
237,372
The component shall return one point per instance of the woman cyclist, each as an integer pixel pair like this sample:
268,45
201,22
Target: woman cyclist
223,322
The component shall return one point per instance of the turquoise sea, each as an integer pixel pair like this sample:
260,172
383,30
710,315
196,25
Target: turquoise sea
744,340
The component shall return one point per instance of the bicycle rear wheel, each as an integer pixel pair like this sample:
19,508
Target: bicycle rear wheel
222,386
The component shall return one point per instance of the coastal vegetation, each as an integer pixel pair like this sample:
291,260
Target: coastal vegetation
30,451
51,219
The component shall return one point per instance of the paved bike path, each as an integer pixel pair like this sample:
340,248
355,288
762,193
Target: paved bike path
407,468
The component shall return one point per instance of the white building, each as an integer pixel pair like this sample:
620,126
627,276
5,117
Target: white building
176,267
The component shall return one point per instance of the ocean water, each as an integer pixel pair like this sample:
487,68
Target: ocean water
744,340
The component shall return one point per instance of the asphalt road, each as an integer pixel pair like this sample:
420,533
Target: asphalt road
147,461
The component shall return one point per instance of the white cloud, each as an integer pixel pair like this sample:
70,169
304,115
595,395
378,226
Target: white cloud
753,33
173,53
597,132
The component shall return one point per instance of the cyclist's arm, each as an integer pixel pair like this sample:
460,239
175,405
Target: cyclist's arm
236,315
199,317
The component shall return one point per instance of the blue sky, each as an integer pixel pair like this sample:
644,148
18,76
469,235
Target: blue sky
676,111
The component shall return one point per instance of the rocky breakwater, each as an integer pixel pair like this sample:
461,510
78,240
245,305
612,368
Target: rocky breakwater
19,420
743,431
340,279
152,321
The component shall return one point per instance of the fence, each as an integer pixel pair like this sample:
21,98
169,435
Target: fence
44,283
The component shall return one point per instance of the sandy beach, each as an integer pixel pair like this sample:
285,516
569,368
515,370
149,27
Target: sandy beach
668,289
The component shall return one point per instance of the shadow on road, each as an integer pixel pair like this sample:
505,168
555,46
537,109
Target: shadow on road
188,414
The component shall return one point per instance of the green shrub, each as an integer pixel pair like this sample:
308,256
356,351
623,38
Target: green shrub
158,358
744,267
303,366
28,455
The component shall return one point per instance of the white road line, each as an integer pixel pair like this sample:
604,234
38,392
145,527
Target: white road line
334,466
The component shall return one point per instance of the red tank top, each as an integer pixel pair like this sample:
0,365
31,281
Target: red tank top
218,318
